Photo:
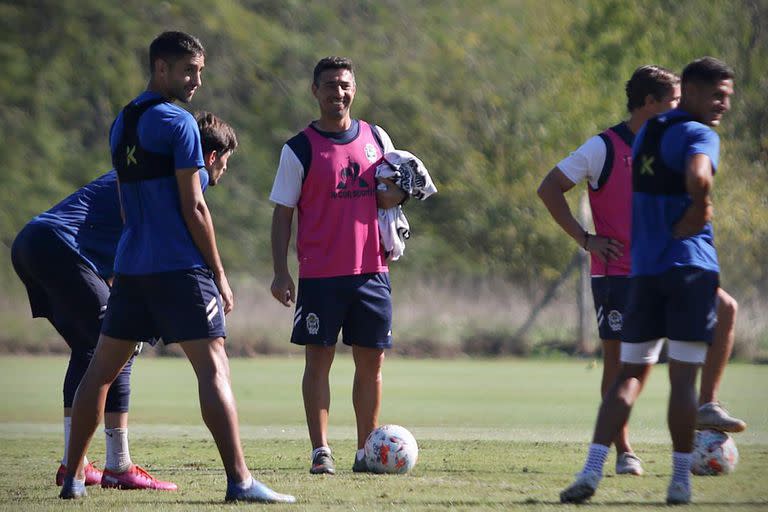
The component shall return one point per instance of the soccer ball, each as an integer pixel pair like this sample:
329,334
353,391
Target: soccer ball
714,453
391,449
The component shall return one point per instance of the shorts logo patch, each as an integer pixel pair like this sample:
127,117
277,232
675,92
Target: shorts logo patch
313,323
615,320
370,152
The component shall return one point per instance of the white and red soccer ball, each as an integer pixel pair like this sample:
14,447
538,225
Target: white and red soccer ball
714,453
391,449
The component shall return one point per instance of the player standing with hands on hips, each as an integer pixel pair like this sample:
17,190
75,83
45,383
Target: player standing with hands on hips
170,281
327,173
675,272
605,160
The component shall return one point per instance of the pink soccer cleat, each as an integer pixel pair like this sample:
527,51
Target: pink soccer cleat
135,478
92,474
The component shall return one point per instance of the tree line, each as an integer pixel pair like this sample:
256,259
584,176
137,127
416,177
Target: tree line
489,94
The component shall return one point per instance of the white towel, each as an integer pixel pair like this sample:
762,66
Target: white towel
410,174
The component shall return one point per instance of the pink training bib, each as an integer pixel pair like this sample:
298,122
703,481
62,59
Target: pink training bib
612,207
338,229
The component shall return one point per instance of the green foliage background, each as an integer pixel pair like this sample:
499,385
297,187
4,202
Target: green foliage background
490,94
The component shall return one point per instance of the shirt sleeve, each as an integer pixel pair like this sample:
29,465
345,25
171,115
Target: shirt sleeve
286,189
703,140
586,162
386,141
187,148
204,179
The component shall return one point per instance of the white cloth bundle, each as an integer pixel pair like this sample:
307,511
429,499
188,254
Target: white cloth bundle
410,174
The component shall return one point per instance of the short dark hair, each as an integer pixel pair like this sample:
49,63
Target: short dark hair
215,134
171,46
332,63
707,70
649,79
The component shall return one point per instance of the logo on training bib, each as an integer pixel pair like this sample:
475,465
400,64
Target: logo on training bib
352,183
615,320
313,323
370,152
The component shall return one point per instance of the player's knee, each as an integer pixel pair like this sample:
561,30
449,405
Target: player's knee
368,357
119,394
319,358
727,307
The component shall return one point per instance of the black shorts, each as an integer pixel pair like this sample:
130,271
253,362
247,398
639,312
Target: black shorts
610,295
360,306
679,304
61,285
180,305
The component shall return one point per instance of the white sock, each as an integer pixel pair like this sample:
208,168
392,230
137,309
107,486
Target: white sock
681,467
118,455
322,449
67,430
360,455
596,459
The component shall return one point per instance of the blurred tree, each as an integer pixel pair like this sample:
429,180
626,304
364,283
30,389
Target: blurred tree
489,94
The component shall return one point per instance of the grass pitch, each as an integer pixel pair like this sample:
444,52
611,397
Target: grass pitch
493,435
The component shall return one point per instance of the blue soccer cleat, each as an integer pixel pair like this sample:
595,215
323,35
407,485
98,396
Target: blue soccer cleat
72,489
257,493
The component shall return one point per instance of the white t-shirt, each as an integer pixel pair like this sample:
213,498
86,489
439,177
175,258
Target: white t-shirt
586,162
286,189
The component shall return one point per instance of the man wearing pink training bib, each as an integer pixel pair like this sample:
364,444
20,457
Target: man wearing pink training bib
605,161
327,173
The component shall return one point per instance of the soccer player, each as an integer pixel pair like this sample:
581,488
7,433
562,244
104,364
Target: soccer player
65,258
605,160
327,173
674,283
170,281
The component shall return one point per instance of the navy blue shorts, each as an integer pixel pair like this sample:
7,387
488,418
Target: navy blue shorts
178,306
359,306
61,285
610,296
680,304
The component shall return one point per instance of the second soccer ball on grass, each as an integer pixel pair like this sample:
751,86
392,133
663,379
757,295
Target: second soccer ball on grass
714,453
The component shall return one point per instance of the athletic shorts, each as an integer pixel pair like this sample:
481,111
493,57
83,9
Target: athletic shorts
610,296
61,285
180,305
648,352
679,304
360,306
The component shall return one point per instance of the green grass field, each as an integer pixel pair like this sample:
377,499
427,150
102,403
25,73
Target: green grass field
493,434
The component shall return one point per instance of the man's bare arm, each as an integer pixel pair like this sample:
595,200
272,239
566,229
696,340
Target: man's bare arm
698,183
198,219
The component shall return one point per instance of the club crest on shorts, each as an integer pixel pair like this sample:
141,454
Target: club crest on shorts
313,323
370,152
615,320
